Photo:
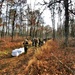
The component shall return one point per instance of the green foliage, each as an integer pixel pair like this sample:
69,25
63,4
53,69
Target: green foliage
6,52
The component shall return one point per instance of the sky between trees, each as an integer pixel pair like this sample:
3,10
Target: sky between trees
46,14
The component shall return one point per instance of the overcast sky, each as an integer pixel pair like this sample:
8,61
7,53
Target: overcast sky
46,14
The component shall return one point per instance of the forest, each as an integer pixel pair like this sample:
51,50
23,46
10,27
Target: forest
54,52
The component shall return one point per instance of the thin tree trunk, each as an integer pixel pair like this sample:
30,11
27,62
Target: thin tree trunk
53,21
2,32
13,25
7,19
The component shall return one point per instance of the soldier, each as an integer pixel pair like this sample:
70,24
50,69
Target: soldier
36,42
40,42
25,45
33,42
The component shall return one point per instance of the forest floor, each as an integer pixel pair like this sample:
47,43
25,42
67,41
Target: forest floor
49,59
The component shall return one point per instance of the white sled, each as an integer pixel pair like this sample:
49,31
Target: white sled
17,52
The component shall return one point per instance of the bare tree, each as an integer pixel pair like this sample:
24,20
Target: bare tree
7,18
66,5
13,15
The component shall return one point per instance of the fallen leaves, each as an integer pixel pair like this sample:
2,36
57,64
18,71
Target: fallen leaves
39,61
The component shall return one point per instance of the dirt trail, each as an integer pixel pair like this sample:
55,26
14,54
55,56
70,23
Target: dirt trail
8,65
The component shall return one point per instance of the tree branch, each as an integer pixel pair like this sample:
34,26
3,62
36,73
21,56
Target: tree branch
71,11
51,3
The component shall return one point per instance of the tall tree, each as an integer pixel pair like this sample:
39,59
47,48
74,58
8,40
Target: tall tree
13,15
52,9
66,5
6,18
1,3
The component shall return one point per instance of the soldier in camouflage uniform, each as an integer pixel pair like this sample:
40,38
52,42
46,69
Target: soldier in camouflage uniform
25,45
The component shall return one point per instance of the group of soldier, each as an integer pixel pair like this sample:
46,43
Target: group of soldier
35,42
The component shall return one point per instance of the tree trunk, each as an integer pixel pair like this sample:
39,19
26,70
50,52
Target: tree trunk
53,20
13,25
7,18
2,32
66,22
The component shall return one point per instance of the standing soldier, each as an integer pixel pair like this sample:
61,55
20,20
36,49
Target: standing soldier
40,42
36,42
25,45
32,42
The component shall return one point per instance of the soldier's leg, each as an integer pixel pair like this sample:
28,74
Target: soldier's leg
26,49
